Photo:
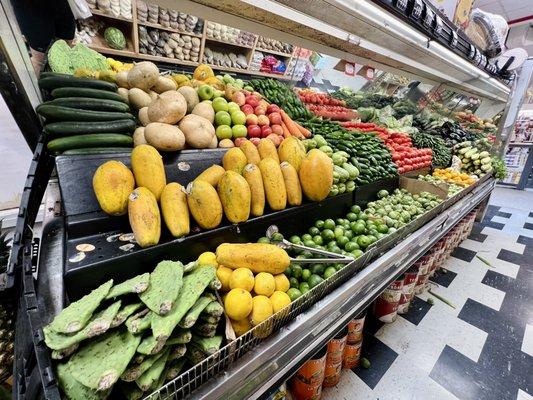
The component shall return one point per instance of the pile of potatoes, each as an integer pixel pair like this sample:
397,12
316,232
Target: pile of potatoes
171,117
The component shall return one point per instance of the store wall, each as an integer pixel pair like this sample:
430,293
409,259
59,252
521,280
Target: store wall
337,78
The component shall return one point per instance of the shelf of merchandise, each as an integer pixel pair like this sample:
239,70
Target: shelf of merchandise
276,53
169,29
211,39
103,14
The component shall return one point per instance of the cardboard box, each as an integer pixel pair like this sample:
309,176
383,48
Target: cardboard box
416,186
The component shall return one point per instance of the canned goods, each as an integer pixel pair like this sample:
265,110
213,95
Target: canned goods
336,347
386,305
421,283
303,391
312,372
411,277
355,328
332,374
352,355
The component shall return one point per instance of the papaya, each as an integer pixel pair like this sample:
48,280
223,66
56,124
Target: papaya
175,209
252,174
267,149
235,196
275,191
211,175
148,169
292,150
292,183
316,175
258,257
251,152
234,160
144,216
112,184
202,72
204,204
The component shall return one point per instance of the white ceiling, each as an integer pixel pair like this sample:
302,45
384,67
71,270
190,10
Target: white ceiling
509,9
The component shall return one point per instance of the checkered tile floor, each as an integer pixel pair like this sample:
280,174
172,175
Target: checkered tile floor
482,349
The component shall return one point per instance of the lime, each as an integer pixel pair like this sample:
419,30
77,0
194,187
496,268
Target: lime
355,209
329,224
346,225
295,239
339,221
392,229
293,293
314,280
363,242
329,272
304,287
338,232
307,254
363,216
296,271
319,224
263,240
294,282
358,228
328,235
306,236
305,274
277,237
309,243
318,239
380,235
342,241
313,231
351,246
317,269
364,362
336,249
373,232
349,234
382,228
351,217
357,253
288,272
372,238
338,266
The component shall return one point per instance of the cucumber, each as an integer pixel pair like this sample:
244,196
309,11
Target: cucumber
96,150
52,82
61,113
88,103
90,140
69,128
85,92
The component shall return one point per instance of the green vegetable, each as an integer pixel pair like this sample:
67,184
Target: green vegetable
148,378
174,368
205,329
208,345
150,345
190,318
73,389
124,313
82,92
96,150
59,57
177,352
139,322
136,284
54,82
79,142
88,103
70,128
165,283
365,363
115,38
134,371
60,113
214,309
180,336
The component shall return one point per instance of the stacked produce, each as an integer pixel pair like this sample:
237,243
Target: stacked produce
472,122
360,99
474,156
139,333
442,153
157,42
499,168
438,178
367,152
451,176
66,60
228,34
323,105
268,63
280,94
218,56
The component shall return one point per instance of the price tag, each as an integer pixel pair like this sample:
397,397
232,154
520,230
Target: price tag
472,52
428,18
418,7
401,5
438,26
349,69
454,39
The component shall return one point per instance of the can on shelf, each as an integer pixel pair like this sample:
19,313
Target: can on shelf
386,305
408,289
355,328
304,391
332,374
351,355
336,347
312,372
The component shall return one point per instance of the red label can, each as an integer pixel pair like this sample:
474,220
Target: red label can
312,372
352,355
336,347
408,290
333,373
303,391
355,329
386,305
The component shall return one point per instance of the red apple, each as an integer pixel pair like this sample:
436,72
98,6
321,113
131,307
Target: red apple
254,131
260,110
247,109
255,141
265,131
275,139
277,129
275,118
239,141
252,100
263,103
257,94
272,108
246,92
251,119
239,98
263,120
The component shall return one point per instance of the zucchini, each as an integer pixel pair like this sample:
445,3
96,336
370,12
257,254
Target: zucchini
90,140
85,92
61,113
90,104
96,150
52,82
68,128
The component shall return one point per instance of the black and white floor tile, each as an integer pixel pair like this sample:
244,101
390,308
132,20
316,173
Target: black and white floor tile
480,350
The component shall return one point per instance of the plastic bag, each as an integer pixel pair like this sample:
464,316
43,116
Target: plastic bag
80,9
488,32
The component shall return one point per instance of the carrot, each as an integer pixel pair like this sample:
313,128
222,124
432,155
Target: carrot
290,125
303,131
286,132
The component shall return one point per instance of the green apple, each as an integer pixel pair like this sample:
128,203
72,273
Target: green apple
239,83
220,104
205,92
232,107
239,131
238,117
222,118
228,78
217,93
249,88
224,132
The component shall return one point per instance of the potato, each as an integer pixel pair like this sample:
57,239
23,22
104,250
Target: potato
124,93
153,95
138,98
164,137
204,109
167,110
143,116
163,84
143,75
191,97
122,79
138,137
198,131
214,143
226,143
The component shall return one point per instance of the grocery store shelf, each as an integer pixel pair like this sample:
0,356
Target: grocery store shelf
166,59
211,39
169,29
252,377
359,31
103,14
277,53
525,144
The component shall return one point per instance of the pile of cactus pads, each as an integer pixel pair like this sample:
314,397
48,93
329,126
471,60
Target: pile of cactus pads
136,335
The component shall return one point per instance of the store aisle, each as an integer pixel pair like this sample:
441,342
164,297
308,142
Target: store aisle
482,348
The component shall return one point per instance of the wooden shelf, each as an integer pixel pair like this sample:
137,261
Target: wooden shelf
277,53
112,52
169,29
167,59
228,69
103,14
228,43
276,76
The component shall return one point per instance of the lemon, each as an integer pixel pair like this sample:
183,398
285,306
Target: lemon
242,278
265,284
238,304
241,327
261,309
224,275
282,282
208,258
279,300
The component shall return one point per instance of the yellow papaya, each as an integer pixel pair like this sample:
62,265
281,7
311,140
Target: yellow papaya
204,204
211,175
175,209
144,216
252,174
202,72
292,183
148,169
292,150
316,175
258,257
112,184
250,151
234,160
276,193
235,196
267,149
